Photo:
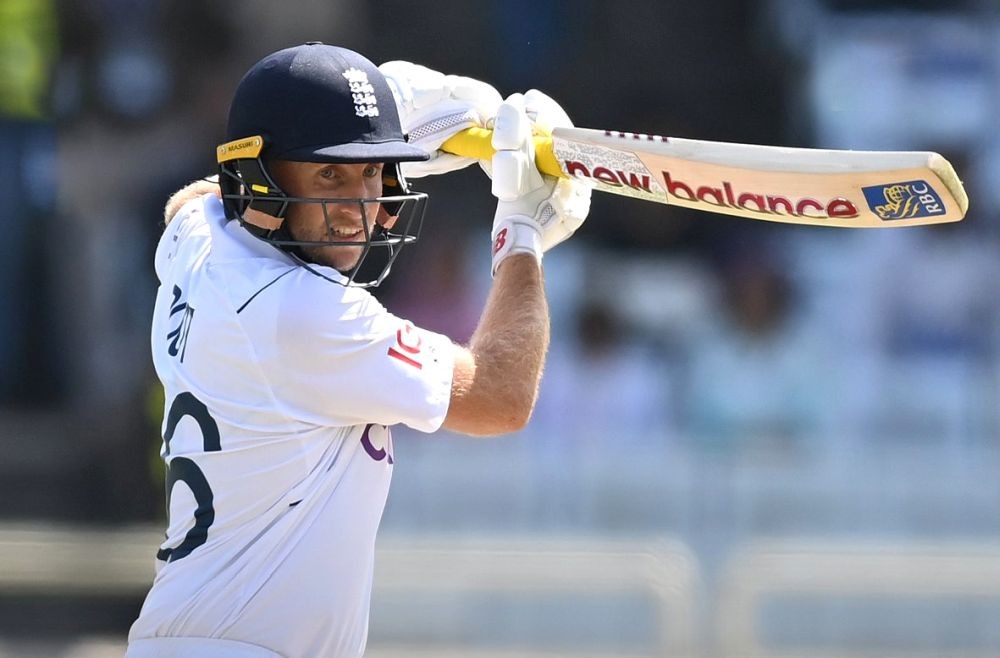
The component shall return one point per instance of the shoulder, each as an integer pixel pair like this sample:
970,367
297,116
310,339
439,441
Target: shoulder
305,324
316,301
297,305
188,222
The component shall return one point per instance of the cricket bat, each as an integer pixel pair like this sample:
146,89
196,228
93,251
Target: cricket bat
818,187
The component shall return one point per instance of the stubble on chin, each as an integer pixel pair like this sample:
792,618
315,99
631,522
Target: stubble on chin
341,259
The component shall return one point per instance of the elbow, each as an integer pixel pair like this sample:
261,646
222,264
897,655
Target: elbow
524,417
490,401
498,429
516,417
506,418
513,423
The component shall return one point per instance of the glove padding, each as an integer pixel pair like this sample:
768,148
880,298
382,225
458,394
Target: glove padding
545,115
534,212
433,107
544,112
571,198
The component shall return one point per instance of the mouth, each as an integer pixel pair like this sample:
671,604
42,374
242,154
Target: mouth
348,234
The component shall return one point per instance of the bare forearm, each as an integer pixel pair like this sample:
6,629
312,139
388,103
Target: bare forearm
497,393
513,333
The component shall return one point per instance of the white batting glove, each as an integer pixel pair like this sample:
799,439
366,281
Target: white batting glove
545,113
570,199
562,204
534,212
433,107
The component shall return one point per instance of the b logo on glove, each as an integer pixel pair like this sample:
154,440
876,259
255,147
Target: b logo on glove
500,241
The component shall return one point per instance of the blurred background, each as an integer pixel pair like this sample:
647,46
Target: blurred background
752,439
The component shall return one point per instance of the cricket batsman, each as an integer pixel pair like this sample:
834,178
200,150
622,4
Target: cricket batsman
284,376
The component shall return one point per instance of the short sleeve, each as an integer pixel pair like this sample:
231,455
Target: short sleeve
335,356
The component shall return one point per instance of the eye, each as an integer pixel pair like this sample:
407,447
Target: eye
372,170
327,172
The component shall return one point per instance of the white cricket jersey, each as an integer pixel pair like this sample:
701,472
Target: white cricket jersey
280,390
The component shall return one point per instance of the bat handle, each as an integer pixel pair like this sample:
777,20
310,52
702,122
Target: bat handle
478,143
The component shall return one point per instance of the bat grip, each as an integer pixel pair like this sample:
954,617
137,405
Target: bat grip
478,143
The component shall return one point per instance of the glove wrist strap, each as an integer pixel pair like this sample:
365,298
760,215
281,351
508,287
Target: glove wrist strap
516,234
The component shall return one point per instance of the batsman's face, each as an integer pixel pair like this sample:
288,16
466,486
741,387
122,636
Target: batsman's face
343,221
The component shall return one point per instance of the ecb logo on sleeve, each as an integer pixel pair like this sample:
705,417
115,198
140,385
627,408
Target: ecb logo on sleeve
908,200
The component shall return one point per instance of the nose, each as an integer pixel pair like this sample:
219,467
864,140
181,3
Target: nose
354,187
348,210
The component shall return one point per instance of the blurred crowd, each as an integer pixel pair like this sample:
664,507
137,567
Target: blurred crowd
674,329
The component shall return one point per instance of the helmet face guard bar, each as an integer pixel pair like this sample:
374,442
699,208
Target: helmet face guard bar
247,185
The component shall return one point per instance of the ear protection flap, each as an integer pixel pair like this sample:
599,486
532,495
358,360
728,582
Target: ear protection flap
393,183
245,182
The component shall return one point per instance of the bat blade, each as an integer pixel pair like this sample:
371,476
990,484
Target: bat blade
817,187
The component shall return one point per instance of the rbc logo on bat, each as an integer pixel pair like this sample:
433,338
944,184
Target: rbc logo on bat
915,198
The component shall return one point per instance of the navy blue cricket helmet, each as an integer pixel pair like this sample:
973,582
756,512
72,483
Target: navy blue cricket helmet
318,103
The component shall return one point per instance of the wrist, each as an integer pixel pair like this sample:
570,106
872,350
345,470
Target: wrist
515,234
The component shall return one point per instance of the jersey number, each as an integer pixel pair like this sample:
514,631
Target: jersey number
182,469
178,337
